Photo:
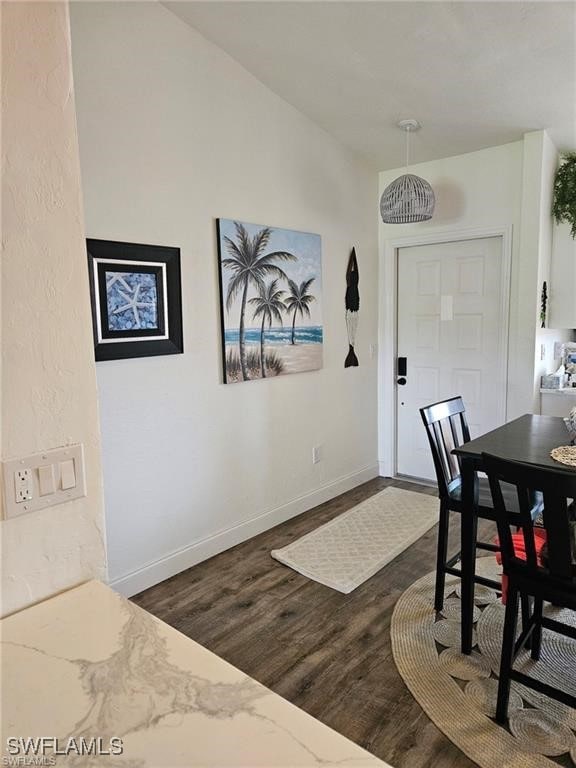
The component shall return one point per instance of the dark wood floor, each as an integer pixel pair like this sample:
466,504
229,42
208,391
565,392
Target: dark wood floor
328,653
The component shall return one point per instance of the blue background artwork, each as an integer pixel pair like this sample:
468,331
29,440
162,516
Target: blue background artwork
132,300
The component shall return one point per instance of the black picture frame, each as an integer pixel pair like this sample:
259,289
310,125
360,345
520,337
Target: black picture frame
147,328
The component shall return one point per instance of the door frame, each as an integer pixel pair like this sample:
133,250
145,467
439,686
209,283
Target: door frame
388,326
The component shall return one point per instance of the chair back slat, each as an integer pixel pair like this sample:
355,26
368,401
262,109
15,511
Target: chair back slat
504,531
447,428
525,524
456,439
442,449
558,488
560,537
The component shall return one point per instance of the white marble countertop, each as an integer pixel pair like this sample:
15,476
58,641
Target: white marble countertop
565,391
88,663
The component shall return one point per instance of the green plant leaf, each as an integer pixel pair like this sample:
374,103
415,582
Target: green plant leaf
564,204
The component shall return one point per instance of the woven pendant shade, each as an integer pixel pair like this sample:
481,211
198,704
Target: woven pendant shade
408,198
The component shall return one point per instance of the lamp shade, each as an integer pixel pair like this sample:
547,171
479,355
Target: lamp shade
408,198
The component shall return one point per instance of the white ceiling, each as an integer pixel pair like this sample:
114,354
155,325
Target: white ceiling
475,74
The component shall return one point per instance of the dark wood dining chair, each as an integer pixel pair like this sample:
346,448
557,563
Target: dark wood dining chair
447,428
545,576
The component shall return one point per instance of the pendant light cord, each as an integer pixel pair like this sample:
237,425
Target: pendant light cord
407,148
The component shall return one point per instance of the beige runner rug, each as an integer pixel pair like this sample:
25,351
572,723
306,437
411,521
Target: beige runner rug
348,550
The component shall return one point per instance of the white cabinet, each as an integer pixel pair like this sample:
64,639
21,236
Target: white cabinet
562,288
557,402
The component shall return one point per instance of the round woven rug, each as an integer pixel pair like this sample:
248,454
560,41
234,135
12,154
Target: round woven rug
458,693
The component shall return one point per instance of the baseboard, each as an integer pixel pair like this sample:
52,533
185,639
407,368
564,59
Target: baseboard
194,553
417,480
383,470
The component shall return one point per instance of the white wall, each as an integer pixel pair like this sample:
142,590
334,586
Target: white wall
174,133
563,278
473,191
540,163
49,383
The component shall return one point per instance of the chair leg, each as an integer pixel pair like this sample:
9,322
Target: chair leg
443,528
468,566
507,656
537,631
525,607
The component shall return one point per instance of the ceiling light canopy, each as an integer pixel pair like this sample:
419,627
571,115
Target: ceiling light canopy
408,198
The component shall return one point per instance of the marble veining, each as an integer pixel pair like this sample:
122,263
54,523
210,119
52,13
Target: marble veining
172,702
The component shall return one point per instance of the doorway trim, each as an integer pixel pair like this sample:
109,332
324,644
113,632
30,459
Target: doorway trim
388,325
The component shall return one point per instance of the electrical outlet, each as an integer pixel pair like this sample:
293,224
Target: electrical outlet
316,454
23,485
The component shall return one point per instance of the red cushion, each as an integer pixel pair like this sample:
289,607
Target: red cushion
520,551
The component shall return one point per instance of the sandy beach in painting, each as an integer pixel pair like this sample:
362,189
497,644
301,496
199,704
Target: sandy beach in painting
296,358
300,357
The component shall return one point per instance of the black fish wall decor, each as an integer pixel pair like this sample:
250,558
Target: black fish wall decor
352,308
543,304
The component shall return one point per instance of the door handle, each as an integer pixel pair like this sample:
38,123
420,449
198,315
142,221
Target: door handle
401,369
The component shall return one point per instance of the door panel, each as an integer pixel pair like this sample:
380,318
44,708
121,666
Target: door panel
450,330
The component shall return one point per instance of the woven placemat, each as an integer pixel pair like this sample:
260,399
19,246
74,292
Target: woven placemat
565,454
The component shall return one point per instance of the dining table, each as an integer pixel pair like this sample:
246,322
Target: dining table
528,439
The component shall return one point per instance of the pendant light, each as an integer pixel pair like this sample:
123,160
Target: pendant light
408,198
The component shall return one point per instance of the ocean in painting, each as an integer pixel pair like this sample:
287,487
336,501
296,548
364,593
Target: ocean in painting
302,335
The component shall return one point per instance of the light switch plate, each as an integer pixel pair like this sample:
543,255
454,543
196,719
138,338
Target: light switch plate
23,490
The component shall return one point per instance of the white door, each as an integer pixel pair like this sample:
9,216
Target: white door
452,330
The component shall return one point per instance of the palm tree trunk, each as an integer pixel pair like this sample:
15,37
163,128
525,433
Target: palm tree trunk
262,366
293,324
241,342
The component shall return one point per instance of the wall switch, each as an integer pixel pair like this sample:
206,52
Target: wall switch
542,351
43,479
316,454
67,475
23,486
46,479
373,351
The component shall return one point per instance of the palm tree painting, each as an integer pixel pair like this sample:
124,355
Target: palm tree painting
298,302
271,300
269,306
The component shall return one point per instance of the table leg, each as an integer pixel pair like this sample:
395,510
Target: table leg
468,550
